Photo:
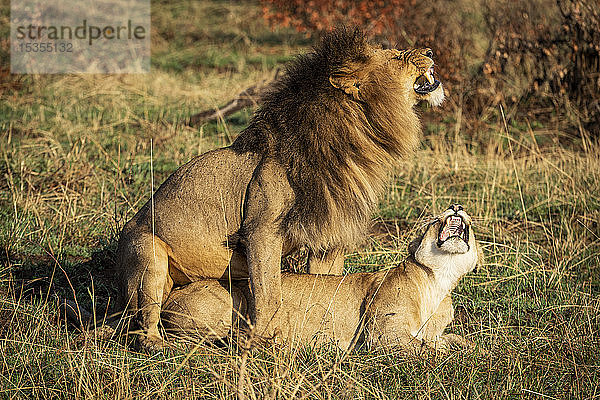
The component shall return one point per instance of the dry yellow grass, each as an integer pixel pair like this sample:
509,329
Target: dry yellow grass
75,162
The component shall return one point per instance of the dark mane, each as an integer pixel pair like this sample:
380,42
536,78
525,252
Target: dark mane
337,151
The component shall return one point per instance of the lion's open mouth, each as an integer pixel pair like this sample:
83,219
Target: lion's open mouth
453,226
426,83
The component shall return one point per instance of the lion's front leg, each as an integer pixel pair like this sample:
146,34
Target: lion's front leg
264,263
330,262
269,195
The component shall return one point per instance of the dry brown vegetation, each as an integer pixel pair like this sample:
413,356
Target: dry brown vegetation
540,57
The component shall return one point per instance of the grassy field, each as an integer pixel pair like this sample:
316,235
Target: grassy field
75,157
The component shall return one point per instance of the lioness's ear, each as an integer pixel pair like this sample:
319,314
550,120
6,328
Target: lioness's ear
414,245
348,83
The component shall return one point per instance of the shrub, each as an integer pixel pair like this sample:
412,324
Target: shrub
545,49
499,52
400,23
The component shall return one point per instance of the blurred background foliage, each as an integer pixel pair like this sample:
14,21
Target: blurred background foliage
540,56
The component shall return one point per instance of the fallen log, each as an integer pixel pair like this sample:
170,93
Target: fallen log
249,97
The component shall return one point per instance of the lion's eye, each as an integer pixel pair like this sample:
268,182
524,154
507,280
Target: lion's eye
429,53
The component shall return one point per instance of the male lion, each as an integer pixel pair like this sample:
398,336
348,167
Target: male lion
407,306
307,171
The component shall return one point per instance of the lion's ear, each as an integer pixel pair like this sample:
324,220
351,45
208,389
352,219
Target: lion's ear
349,83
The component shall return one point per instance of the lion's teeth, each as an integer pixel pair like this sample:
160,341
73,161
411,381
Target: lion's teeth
429,77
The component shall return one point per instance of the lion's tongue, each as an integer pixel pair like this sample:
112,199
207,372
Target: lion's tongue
453,227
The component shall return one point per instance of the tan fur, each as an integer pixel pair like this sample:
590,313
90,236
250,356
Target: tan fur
307,172
407,306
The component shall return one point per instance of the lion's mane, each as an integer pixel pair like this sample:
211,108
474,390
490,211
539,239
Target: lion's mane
337,151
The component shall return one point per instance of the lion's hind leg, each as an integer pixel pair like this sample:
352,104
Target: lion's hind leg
145,281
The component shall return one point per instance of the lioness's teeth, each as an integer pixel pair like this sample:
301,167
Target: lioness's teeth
429,77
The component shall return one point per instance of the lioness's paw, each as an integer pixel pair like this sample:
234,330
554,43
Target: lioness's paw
457,341
151,343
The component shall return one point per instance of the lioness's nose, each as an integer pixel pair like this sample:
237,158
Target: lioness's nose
456,207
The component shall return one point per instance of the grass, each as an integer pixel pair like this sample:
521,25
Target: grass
75,161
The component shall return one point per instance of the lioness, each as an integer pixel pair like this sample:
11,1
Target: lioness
407,306
307,172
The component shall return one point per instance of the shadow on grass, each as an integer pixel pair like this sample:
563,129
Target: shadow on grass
88,281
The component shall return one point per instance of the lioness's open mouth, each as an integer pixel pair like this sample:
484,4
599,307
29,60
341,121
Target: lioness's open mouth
426,83
453,226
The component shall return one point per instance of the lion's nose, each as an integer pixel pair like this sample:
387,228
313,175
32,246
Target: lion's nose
456,207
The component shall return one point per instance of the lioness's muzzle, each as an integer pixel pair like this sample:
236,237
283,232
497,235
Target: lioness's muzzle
453,226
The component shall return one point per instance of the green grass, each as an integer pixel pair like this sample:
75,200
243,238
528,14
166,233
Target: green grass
75,164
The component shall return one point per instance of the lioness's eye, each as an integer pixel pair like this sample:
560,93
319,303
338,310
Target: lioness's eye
429,54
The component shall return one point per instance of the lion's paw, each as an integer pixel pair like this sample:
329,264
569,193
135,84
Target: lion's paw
151,343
